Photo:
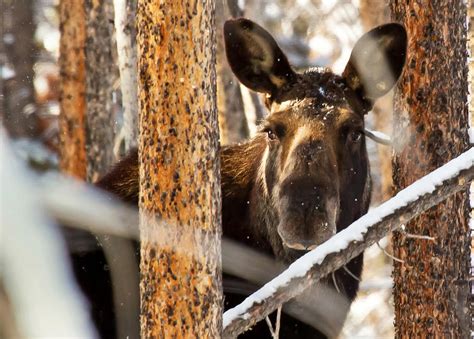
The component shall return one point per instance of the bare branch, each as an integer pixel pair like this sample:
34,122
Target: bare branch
391,256
415,236
346,245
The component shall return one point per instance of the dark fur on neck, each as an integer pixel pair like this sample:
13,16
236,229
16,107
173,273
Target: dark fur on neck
123,179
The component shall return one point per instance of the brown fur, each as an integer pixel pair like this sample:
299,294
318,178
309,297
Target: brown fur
123,179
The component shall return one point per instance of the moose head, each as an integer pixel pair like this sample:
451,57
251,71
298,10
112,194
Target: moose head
313,174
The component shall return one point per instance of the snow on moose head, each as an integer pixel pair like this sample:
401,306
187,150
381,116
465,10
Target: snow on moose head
313,174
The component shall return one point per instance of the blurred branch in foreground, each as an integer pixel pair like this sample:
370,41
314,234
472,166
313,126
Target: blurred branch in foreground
35,273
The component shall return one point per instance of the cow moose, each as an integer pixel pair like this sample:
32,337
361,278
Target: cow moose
303,177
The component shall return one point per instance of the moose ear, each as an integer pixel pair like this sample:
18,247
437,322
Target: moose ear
377,61
255,57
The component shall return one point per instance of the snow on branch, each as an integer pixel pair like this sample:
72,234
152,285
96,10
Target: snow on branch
347,244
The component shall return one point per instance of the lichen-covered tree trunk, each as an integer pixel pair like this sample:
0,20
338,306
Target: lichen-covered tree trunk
430,127
72,67
100,71
19,118
180,286
232,120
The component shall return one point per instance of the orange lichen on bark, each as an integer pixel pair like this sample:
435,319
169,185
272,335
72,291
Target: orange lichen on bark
179,170
72,87
431,121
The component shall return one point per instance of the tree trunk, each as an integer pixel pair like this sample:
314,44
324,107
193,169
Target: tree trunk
180,286
125,13
99,76
73,88
100,122
19,116
430,125
471,139
232,120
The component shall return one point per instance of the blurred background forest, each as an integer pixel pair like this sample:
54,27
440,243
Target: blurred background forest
312,33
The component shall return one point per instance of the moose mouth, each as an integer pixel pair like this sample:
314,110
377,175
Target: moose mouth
325,231
305,229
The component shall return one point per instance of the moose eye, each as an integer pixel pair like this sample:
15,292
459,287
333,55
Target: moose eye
354,136
271,134
274,132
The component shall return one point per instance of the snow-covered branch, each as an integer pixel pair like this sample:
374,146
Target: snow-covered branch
340,249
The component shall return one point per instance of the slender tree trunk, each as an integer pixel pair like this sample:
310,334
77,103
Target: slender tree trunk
430,124
100,122
180,287
18,39
471,137
99,76
232,120
72,136
125,14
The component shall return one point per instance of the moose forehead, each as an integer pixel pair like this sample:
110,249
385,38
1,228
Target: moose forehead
317,97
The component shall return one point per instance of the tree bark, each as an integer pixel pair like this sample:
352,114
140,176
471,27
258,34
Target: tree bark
99,76
180,286
471,140
125,28
430,127
72,136
19,27
100,122
232,120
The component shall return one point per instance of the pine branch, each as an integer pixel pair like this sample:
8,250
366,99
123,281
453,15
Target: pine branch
346,245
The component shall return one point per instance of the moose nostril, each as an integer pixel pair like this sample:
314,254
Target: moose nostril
308,244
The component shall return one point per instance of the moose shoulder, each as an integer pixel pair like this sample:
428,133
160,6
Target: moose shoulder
305,175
